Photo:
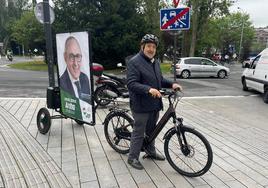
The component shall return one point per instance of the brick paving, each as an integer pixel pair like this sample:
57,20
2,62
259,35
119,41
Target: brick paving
70,155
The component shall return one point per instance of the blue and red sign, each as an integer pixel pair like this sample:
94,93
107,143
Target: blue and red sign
175,19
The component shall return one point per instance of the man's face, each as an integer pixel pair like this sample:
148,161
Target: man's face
149,50
73,58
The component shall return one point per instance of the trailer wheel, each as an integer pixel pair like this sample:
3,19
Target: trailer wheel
43,121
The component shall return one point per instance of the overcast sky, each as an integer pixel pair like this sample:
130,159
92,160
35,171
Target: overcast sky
257,9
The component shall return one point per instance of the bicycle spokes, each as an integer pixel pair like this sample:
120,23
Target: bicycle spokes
118,132
190,154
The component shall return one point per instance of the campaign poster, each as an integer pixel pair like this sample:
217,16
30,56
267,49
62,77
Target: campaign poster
74,76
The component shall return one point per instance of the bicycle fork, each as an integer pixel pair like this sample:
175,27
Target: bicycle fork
178,124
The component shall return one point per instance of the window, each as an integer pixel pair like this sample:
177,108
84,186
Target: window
255,62
192,61
207,62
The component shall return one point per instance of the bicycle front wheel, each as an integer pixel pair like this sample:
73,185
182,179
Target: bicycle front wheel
191,158
117,130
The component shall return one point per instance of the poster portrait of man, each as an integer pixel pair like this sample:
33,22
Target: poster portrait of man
74,75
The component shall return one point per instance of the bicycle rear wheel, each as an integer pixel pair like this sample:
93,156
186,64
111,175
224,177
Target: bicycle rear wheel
194,157
117,130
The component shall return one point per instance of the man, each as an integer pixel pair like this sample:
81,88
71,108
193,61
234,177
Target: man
144,80
74,81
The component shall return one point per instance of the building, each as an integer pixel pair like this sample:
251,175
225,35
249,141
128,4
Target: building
261,36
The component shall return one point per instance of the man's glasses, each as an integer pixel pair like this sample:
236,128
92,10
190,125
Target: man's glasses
75,57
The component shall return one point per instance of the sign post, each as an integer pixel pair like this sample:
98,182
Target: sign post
49,47
175,19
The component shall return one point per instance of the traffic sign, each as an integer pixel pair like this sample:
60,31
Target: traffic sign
175,19
39,13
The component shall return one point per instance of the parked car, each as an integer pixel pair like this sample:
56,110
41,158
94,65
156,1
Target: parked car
199,66
255,76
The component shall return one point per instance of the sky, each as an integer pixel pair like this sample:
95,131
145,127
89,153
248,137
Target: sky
257,10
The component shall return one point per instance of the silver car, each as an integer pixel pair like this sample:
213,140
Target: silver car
199,66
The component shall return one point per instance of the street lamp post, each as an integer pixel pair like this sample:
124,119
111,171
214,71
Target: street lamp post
242,33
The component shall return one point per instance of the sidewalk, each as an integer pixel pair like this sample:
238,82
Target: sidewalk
79,156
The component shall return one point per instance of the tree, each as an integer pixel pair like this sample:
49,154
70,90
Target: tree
28,31
116,26
225,32
201,12
10,11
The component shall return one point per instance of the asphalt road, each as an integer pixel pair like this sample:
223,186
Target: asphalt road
21,83
230,86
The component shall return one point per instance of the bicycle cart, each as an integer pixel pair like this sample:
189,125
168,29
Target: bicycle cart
73,97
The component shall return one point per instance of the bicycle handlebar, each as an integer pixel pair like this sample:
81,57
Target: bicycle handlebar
170,92
176,95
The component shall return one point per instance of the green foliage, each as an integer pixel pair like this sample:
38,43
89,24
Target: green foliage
201,12
115,25
27,31
9,12
224,31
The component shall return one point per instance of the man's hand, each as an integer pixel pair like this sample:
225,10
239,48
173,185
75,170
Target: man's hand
155,93
176,86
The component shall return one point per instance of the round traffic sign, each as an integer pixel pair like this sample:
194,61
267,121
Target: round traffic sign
39,13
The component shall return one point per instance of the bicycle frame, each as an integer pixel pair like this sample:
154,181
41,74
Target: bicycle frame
170,113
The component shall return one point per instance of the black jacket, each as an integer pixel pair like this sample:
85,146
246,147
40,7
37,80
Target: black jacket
142,75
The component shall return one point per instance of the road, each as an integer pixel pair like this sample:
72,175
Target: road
230,86
21,83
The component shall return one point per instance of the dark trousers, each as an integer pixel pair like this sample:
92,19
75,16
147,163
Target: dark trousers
143,123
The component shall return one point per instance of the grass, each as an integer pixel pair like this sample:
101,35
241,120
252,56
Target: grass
165,67
32,65
41,66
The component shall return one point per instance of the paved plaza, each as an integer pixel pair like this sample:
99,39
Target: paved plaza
71,155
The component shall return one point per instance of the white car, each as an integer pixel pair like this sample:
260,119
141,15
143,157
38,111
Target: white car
255,76
199,66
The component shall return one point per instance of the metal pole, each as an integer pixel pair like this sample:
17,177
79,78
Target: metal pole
242,32
174,54
23,50
49,48
241,39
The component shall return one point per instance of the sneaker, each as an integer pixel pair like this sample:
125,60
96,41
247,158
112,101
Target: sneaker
155,156
135,163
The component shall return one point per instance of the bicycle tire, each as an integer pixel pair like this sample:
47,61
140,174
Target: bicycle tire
100,98
119,124
194,163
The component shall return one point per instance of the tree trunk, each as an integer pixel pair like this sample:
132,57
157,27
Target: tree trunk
5,45
194,28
